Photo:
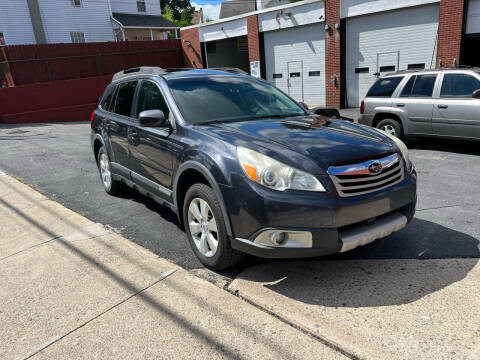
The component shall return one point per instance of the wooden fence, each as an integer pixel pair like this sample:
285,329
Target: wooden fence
28,64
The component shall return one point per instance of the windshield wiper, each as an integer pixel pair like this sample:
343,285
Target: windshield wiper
275,116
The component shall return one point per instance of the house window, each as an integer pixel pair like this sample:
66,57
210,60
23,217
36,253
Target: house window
77,3
2,39
141,7
77,37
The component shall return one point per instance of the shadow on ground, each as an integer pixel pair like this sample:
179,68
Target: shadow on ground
334,282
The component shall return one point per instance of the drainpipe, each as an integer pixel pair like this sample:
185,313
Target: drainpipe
121,28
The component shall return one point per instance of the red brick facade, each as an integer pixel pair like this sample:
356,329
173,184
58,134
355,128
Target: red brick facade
450,25
332,53
253,39
192,52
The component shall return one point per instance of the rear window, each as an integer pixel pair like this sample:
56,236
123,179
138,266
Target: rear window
107,98
123,103
384,87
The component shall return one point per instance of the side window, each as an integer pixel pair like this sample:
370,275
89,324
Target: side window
150,98
123,103
385,87
458,86
423,86
407,90
107,98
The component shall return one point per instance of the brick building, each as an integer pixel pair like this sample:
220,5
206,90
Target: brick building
329,52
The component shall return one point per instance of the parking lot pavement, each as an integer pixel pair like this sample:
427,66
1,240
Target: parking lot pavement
57,160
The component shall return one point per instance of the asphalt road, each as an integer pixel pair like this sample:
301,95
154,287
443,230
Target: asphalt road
57,160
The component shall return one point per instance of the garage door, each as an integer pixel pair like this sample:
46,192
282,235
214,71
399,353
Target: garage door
387,42
295,62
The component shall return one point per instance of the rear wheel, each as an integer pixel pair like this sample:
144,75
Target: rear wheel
391,127
110,185
205,228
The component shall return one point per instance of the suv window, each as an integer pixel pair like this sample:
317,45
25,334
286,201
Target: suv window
107,98
407,89
423,86
123,103
150,98
459,86
385,87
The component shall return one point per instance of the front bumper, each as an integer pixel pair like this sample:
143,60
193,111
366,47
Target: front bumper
336,223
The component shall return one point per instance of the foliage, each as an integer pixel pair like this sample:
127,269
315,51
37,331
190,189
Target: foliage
181,11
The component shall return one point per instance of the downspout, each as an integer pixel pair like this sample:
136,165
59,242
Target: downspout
115,20
121,28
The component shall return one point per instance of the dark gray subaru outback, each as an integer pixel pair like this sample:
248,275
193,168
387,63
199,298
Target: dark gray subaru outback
246,168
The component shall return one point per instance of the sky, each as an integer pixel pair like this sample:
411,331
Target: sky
211,8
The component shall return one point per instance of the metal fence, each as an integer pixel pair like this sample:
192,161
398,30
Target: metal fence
27,64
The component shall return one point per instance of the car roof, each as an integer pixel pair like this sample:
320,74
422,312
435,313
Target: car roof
407,72
172,73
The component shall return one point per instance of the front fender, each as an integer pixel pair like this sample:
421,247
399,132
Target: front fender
212,180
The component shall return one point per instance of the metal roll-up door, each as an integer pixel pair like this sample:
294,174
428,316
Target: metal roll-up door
295,62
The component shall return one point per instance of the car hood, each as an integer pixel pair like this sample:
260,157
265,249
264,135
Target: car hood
324,140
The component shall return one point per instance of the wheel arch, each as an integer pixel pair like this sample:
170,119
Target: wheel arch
384,115
192,172
97,144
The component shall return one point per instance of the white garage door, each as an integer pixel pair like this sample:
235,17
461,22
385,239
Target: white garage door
387,42
295,62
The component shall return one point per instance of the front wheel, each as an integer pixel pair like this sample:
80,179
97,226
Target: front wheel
205,228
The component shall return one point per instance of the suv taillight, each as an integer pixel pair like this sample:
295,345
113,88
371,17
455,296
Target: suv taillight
362,107
92,116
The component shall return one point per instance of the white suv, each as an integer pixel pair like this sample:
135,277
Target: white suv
444,103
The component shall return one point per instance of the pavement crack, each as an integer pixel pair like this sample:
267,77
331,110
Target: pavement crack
58,338
440,207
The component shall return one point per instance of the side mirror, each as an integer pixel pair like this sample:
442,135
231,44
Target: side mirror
152,118
476,94
304,106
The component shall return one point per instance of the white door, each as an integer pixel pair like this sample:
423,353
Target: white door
295,80
297,50
394,40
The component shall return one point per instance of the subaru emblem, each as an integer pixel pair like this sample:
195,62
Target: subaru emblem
375,168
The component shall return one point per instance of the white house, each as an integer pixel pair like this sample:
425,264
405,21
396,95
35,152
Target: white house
67,21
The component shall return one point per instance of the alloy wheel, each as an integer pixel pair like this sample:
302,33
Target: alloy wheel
105,171
389,129
203,227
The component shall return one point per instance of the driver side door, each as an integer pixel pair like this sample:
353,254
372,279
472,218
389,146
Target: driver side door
152,153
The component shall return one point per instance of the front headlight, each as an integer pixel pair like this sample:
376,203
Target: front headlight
275,175
401,145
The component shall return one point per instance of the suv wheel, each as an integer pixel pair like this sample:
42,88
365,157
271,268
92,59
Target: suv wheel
391,127
111,186
205,228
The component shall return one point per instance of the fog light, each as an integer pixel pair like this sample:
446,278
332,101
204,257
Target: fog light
278,238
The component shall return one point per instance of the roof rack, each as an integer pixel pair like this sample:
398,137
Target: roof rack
148,70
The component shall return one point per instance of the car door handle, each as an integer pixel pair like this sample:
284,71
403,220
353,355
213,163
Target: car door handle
400,105
442,106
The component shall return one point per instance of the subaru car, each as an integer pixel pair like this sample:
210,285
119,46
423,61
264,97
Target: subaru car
246,168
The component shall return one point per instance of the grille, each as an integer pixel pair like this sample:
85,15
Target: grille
367,177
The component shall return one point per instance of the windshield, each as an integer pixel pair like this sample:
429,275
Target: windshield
225,99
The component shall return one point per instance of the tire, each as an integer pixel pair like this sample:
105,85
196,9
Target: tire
112,187
391,126
200,223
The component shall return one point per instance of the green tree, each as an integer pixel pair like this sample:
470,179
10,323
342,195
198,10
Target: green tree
182,10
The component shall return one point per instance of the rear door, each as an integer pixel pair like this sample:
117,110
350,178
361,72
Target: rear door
152,152
416,100
455,112
118,123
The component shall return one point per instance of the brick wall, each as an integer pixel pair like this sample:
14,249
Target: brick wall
450,27
332,53
253,39
192,53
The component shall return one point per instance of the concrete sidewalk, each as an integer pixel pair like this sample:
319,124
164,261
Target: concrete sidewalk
71,289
